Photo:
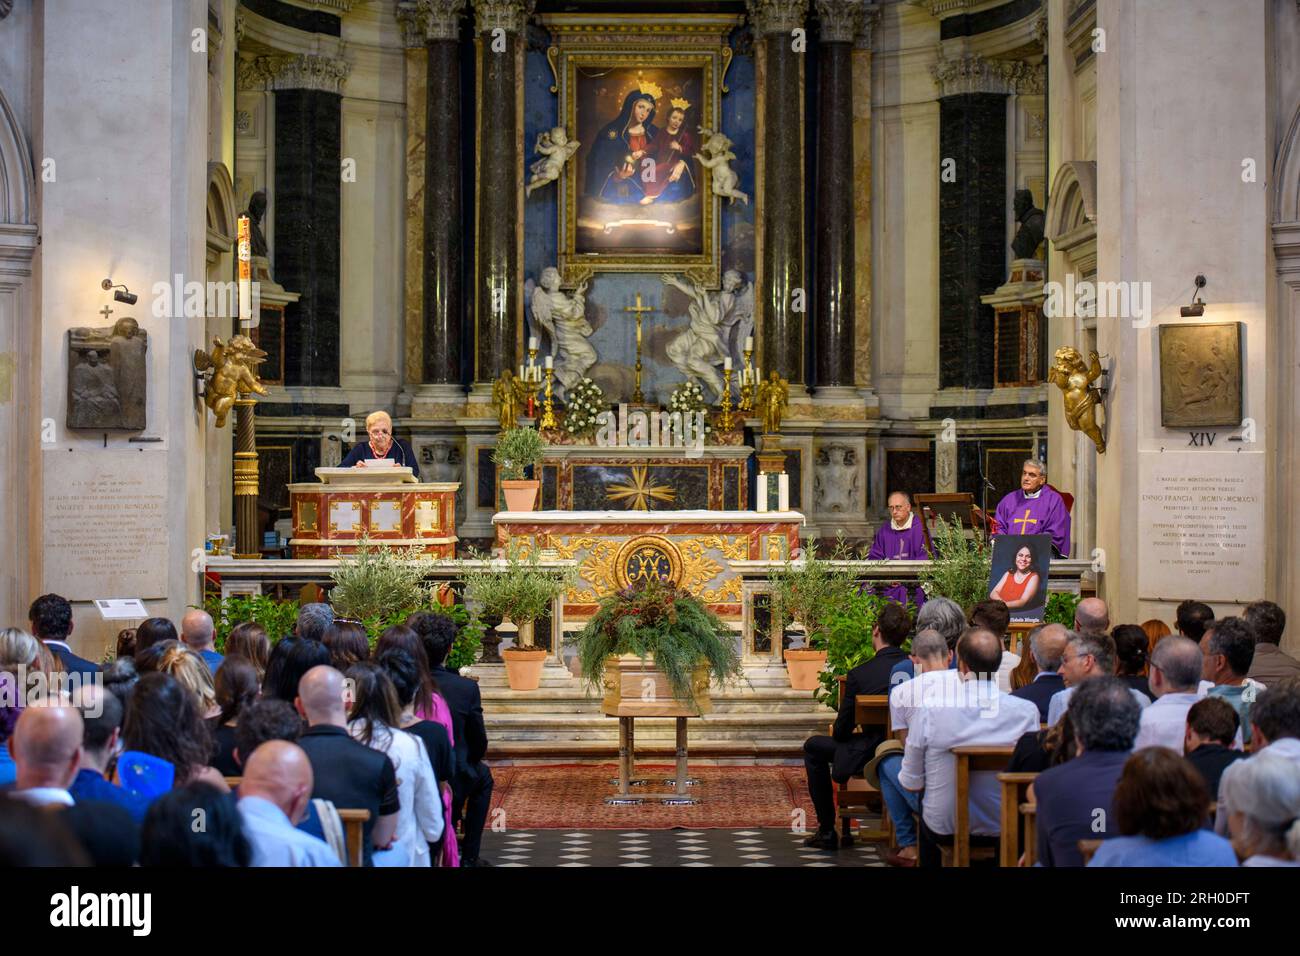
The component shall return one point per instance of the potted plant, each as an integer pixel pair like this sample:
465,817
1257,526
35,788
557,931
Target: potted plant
688,642
809,591
522,590
959,566
519,449
847,643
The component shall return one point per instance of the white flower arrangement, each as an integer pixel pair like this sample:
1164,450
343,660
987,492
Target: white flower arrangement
688,398
585,403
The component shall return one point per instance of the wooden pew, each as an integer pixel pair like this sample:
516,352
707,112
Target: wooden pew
1014,789
857,795
1029,813
354,832
972,759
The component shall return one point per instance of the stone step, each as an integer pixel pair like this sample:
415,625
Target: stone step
708,753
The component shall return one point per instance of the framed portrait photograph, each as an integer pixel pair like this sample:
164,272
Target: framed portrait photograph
636,197
1018,576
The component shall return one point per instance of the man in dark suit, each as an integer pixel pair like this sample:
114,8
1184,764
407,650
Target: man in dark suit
844,753
1047,644
51,620
1105,718
471,787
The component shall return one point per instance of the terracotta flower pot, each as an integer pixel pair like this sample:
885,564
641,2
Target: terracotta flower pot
521,495
804,667
524,667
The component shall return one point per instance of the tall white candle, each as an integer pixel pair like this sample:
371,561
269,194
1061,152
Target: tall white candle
749,343
532,342
761,495
783,492
726,363
550,362
521,371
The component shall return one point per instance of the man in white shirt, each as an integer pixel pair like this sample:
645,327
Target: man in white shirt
982,715
273,798
1274,729
935,685
46,747
996,616
1175,676
1088,654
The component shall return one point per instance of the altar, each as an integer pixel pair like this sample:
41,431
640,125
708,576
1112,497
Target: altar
385,505
696,550
645,478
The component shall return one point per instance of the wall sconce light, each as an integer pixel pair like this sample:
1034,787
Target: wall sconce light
1197,308
124,295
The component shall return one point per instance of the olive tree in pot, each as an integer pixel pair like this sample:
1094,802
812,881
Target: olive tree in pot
521,589
810,591
517,450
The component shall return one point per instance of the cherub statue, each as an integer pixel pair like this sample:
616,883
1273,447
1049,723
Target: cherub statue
716,154
508,395
556,149
773,395
1081,400
231,364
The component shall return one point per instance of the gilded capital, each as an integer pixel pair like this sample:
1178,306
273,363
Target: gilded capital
777,16
508,15
840,19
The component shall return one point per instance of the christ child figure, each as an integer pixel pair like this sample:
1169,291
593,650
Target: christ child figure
671,149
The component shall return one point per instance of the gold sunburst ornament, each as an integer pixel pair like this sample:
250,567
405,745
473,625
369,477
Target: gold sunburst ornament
638,492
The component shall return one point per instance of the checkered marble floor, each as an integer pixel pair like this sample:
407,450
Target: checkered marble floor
639,848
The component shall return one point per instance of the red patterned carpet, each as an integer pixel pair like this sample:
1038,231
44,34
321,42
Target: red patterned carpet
573,796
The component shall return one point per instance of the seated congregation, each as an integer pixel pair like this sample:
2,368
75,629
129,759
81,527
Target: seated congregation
1131,746
317,751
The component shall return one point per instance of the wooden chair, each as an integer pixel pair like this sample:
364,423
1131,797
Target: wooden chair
1029,813
971,759
233,782
354,832
856,795
1014,789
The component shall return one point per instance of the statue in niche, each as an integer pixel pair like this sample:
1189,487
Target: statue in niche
563,316
716,155
736,306
698,348
1033,224
106,377
556,149
255,211
331,450
835,481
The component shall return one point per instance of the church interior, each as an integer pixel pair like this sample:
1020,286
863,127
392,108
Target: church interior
554,317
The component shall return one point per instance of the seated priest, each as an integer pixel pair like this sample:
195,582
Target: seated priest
382,444
1036,509
902,539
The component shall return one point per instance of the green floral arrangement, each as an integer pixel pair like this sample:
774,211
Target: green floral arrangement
517,587
517,450
662,620
276,617
848,641
377,581
585,402
812,590
959,567
688,398
1060,608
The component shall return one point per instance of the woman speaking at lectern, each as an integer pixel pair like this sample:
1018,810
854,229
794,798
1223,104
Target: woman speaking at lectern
381,445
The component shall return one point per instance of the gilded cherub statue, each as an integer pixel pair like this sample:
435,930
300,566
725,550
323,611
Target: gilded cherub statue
508,395
556,149
1075,379
232,366
773,395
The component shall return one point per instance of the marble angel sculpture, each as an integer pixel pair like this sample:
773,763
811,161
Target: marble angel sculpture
556,149
563,316
699,347
716,154
736,308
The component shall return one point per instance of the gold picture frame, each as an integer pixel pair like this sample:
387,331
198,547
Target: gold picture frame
1200,374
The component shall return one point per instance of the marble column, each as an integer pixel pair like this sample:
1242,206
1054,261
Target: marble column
307,195
972,219
833,328
499,24
783,292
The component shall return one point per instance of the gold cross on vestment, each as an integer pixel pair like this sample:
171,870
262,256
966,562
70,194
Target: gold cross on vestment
1026,520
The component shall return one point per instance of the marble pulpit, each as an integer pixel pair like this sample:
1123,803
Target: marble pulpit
385,505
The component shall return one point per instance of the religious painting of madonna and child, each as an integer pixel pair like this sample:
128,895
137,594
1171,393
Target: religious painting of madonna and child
636,191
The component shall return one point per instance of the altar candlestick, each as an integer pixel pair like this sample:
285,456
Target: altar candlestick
548,404
726,363
532,343
760,496
749,343
550,363
726,422
783,492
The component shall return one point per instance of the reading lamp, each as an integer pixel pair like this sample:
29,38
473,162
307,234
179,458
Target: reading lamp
124,295
1197,308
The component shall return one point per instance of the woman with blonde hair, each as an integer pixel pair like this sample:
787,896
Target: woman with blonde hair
193,674
19,652
18,649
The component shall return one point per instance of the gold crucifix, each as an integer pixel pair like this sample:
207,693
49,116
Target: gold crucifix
1025,521
638,309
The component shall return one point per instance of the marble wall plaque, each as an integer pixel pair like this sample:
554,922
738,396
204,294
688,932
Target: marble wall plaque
105,525
1200,526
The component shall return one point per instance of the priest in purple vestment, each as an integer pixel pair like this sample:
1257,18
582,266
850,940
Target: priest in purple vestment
902,539
1036,509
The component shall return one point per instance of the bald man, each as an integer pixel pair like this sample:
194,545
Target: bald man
273,798
346,772
1091,615
198,634
46,747
1047,645
1176,665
